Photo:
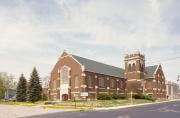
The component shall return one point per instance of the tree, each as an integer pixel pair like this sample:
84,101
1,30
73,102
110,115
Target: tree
34,87
2,89
6,82
21,89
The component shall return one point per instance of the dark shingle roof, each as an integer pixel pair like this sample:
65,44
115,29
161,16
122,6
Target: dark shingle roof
101,68
151,70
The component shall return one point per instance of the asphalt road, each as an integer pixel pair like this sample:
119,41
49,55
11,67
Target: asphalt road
163,110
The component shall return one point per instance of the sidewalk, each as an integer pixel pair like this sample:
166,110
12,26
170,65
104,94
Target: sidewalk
133,105
15,111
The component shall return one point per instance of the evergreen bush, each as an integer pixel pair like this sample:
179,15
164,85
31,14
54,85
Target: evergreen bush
104,96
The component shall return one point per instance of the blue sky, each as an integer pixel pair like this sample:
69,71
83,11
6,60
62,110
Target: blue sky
35,32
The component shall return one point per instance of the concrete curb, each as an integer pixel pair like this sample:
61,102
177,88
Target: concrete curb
135,105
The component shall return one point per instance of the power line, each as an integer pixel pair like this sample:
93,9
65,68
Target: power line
164,60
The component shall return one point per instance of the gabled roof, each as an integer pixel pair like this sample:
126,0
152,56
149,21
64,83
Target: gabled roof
97,67
151,71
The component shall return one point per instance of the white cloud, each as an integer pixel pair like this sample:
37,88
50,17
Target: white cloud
97,25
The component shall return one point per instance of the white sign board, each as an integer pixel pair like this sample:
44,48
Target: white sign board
84,94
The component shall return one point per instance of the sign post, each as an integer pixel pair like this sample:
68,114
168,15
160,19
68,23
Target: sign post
131,97
143,85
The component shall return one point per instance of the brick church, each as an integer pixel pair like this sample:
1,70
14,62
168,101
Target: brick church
81,78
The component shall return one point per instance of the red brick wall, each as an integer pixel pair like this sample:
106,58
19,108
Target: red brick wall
55,75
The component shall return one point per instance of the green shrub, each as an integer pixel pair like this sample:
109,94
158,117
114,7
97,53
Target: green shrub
138,96
118,96
122,96
142,96
104,96
115,96
147,97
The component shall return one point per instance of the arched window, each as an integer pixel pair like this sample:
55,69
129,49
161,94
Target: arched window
112,83
90,81
76,82
64,75
141,67
129,68
121,82
101,82
134,67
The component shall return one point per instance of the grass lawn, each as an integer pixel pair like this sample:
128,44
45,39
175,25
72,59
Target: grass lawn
67,107
112,103
81,105
18,103
101,103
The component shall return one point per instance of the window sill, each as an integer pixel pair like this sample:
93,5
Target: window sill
90,87
102,88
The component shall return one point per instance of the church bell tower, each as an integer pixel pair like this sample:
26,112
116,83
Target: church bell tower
134,72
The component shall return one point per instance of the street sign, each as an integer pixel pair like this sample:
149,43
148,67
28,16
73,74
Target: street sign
84,94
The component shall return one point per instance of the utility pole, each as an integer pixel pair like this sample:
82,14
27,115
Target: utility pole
131,97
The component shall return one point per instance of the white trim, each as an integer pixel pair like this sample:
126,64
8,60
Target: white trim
83,74
64,57
83,68
102,88
76,60
131,62
64,87
91,92
135,57
90,87
53,94
83,86
75,92
149,93
131,80
156,70
69,55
